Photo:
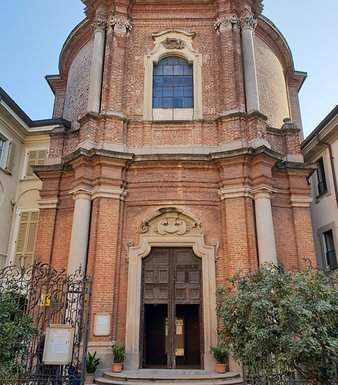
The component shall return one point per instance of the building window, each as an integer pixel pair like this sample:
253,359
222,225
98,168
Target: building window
173,84
35,158
330,251
321,179
2,148
25,242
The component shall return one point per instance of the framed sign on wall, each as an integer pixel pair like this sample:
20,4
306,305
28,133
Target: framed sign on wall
58,349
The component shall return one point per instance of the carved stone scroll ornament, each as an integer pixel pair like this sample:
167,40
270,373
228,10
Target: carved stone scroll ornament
99,24
171,43
227,23
171,223
248,20
121,25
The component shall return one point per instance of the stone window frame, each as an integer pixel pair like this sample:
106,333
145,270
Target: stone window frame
178,44
322,248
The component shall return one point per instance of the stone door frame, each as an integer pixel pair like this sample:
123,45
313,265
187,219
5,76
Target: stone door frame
170,228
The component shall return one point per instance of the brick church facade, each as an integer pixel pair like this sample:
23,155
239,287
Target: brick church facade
181,166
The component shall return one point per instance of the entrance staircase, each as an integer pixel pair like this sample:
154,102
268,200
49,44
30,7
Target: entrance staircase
168,377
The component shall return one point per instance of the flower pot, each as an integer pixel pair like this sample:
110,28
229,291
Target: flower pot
89,379
116,367
219,368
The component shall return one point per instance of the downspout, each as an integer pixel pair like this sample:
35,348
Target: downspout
334,176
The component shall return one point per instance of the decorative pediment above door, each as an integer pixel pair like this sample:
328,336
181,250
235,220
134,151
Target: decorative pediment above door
170,221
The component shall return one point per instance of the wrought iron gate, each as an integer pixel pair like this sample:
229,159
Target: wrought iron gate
38,298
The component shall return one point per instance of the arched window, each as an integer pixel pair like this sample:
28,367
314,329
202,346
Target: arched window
173,84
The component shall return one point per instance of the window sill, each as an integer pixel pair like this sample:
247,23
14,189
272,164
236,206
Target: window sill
173,114
29,179
321,196
5,171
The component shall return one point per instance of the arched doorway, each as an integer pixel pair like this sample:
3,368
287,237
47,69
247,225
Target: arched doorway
171,318
170,228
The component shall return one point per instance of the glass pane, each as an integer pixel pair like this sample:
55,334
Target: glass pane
172,84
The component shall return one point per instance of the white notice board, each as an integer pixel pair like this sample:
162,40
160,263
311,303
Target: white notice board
58,349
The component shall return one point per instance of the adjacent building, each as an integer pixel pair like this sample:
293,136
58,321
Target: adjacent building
23,144
321,148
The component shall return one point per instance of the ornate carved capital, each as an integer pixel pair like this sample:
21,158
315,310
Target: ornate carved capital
248,20
172,43
99,24
227,23
121,24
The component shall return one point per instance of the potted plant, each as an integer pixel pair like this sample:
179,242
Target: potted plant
92,364
118,357
221,355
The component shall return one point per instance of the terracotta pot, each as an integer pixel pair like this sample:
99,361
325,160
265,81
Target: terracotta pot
116,367
89,379
219,368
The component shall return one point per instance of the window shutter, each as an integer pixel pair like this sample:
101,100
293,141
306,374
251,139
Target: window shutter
10,161
25,243
35,158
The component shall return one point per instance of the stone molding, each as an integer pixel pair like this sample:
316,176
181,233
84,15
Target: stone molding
263,191
247,20
99,192
99,24
51,203
170,227
121,24
300,200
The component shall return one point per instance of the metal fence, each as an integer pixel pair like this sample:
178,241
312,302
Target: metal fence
36,299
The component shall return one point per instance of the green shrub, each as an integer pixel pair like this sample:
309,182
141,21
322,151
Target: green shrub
282,322
220,353
92,363
118,352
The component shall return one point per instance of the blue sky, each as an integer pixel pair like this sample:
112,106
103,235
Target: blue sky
33,32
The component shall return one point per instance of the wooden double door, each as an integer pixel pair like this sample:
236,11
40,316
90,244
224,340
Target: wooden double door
171,309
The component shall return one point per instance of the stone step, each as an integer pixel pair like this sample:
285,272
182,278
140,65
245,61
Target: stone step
168,377
106,381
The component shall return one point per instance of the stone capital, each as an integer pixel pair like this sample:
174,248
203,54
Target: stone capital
262,192
99,24
227,23
81,193
248,21
120,24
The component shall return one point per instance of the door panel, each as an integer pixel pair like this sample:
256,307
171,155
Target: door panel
171,306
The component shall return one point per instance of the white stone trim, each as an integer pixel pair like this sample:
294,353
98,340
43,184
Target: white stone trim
192,237
159,52
51,203
300,200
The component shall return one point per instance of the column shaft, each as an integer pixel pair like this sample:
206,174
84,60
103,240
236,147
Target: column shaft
248,24
96,69
265,229
80,232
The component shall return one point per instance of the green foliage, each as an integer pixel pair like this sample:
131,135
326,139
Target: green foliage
16,331
118,352
278,321
92,363
220,353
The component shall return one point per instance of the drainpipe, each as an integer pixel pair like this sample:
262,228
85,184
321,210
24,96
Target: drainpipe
332,167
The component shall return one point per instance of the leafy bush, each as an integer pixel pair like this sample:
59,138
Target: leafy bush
118,352
92,363
16,332
220,353
282,322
